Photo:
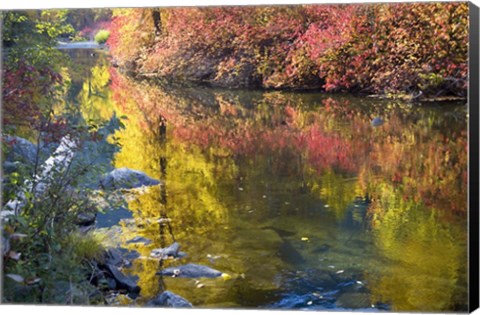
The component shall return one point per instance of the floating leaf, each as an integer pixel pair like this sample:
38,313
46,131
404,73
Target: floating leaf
226,276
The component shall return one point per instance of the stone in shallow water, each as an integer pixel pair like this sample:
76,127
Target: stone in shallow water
125,178
169,299
190,271
354,300
85,218
164,253
139,239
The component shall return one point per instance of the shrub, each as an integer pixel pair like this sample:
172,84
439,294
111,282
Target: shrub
102,36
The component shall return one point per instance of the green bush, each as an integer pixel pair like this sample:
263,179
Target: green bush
102,36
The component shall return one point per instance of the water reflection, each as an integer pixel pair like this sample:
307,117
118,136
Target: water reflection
296,195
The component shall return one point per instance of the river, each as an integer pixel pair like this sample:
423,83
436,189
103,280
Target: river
299,197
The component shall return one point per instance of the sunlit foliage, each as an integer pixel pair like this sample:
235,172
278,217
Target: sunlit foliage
369,48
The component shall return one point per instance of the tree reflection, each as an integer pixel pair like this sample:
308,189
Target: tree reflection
237,163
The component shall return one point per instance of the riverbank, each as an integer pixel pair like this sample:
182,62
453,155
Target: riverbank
375,49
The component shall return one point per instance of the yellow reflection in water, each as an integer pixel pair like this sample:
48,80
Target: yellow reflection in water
424,267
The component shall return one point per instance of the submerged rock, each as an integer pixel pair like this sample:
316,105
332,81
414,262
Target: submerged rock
167,252
139,239
169,299
289,254
125,178
191,271
354,300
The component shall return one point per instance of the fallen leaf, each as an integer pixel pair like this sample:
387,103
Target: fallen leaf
340,271
305,239
200,285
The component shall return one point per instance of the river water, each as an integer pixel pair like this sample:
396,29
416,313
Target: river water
297,196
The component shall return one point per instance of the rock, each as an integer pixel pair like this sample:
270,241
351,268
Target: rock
190,271
290,254
124,178
113,257
169,299
123,282
85,229
167,252
354,300
85,218
22,150
111,283
120,257
139,239
377,121
10,167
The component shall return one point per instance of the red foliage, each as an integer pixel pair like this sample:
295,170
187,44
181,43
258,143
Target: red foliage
24,89
373,48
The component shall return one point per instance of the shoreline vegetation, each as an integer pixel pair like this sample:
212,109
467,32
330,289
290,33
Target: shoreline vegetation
407,51
415,52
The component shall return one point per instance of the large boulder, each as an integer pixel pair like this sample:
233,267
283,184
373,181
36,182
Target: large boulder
169,299
190,271
123,282
85,218
21,150
125,178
